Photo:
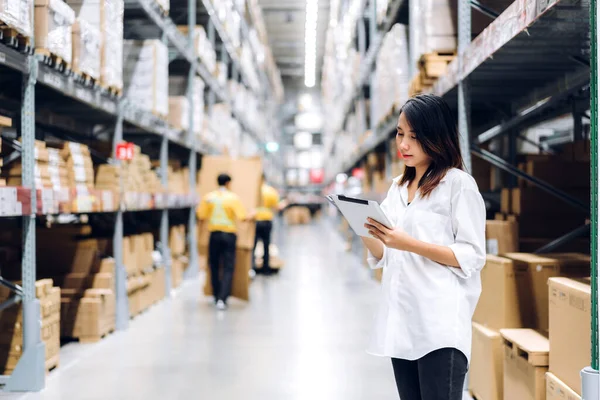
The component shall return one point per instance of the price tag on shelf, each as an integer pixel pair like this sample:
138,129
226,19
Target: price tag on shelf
124,151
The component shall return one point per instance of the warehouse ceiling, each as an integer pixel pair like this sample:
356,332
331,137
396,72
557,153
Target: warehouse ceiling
285,21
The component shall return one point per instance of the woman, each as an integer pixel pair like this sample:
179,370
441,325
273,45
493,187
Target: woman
432,256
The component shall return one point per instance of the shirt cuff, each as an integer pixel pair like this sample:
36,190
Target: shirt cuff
465,257
373,262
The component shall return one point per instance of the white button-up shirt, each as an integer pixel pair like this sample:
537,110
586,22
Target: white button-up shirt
426,306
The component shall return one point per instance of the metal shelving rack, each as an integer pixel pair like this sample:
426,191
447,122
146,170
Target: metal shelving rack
531,64
85,106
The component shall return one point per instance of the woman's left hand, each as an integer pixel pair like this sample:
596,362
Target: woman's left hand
393,238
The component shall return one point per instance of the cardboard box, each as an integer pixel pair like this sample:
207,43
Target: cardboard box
177,240
246,233
246,174
501,237
538,270
506,201
558,390
240,287
532,200
559,173
525,364
505,300
486,374
570,322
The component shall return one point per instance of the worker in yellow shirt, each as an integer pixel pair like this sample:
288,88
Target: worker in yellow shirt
264,225
222,209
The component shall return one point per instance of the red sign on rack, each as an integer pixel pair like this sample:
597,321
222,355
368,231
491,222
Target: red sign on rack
124,151
317,175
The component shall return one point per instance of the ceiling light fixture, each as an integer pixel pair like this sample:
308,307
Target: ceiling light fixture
310,42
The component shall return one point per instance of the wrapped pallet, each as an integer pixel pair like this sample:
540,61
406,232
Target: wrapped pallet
53,22
146,75
107,17
179,115
202,46
16,15
165,5
87,41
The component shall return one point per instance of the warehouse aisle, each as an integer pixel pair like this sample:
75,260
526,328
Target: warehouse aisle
302,337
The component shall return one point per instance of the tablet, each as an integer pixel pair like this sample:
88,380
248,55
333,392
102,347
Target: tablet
357,211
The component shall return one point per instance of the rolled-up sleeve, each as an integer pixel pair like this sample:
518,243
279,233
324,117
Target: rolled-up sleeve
374,263
468,224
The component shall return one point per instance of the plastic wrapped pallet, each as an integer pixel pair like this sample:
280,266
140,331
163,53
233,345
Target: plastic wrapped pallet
203,47
107,17
16,14
146,75
179,112
86,48
53,21
178,88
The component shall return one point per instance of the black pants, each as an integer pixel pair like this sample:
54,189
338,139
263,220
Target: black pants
263,233
221,250
438,375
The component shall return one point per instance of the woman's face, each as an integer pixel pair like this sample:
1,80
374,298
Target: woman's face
409,146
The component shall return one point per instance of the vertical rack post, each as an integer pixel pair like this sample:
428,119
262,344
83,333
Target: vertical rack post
30,372
372,80
464,96
590,379
122,311
164,217
192,269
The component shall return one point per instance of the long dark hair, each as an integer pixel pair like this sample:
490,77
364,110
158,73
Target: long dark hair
432,121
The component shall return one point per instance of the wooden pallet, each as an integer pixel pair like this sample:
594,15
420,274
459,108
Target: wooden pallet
54,61
434,65
13,38
84,79
527,344
113,90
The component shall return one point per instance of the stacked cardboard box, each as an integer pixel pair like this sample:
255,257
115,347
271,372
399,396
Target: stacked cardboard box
139,176
177,247
515,296
53,29
246,182
525,364
297,215
570,322
11,321
87,41
501,237
146,75
77,264
107,17
42,172
139,265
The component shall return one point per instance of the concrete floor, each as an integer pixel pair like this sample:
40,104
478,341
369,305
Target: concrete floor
301,337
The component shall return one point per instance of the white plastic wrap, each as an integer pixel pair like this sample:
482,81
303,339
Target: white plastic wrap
107,17
146,75
165,5
178,88
17,15
179,112
86,48
53,21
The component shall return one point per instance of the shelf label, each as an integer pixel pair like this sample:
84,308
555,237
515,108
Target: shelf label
2,58
53,80
84,94
124,151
